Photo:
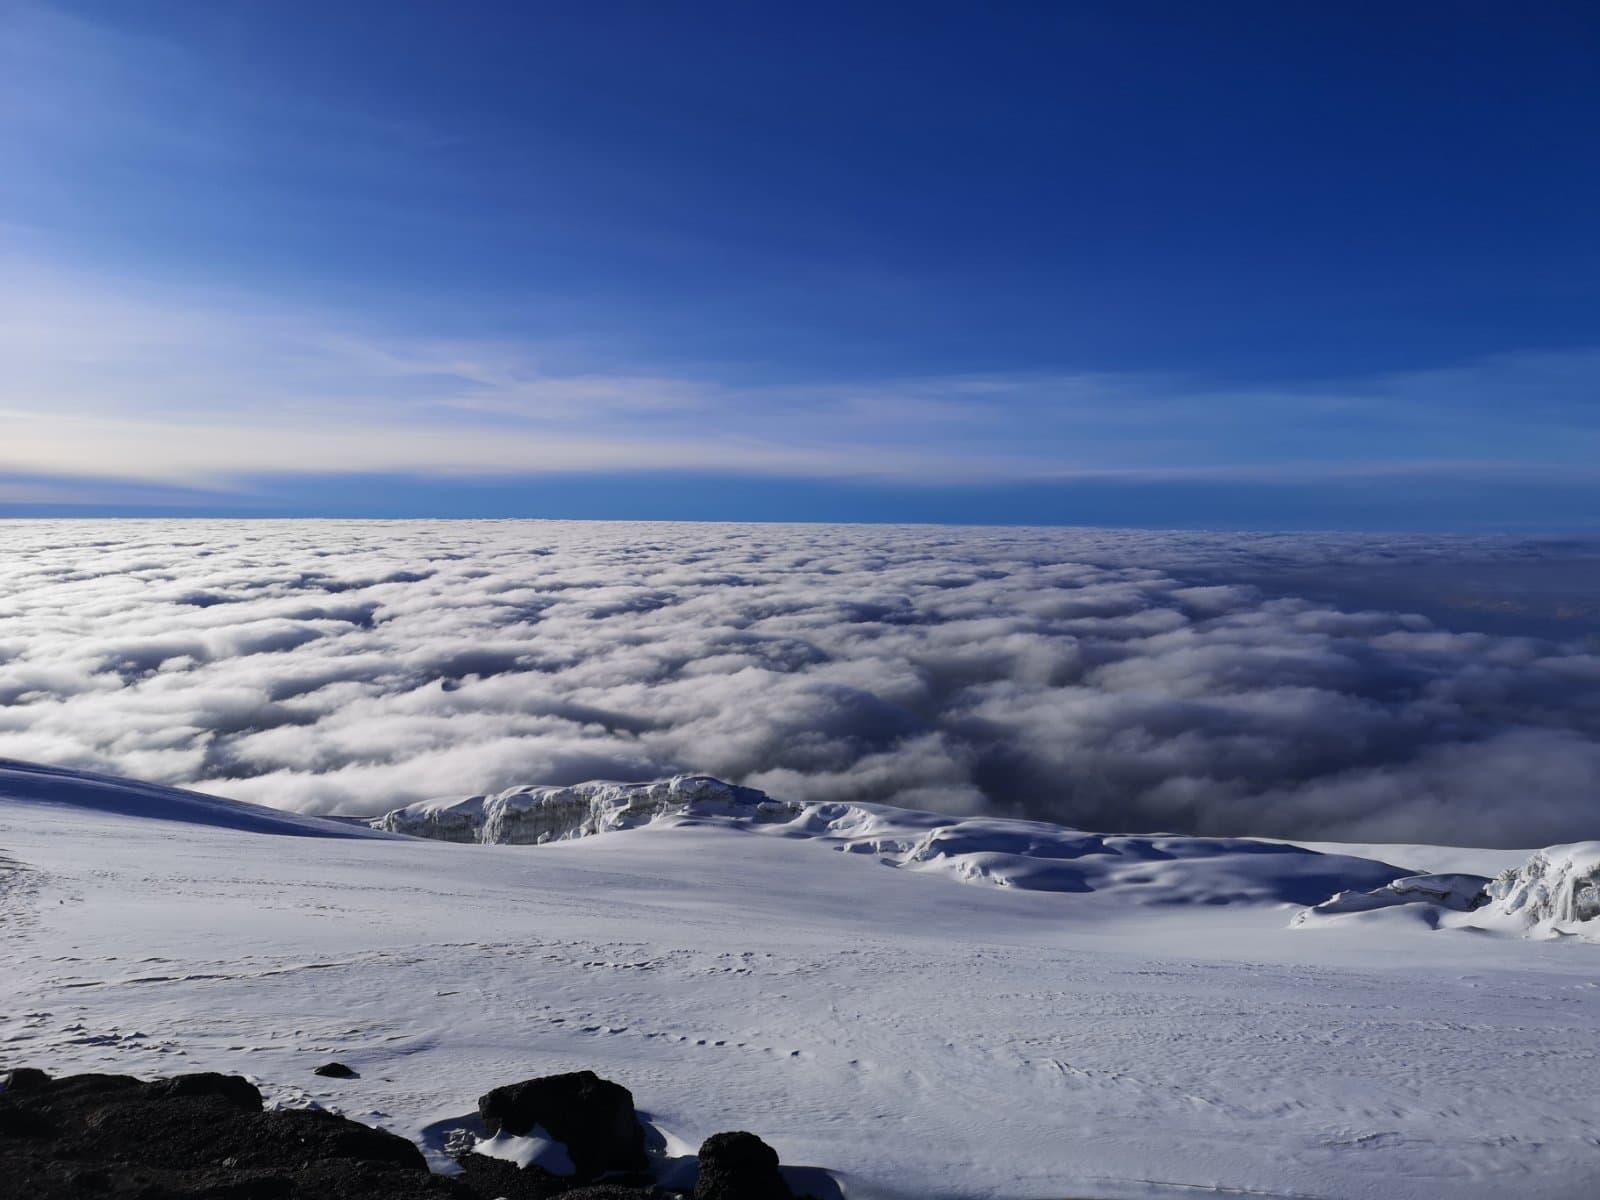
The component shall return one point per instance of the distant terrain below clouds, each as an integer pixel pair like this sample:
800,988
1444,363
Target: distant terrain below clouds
1113,680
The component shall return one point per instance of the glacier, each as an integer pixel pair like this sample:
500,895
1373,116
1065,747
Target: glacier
535,815
1092,1015
1555,893
1030,855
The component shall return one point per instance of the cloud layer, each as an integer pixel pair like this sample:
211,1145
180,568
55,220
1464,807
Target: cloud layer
1118,681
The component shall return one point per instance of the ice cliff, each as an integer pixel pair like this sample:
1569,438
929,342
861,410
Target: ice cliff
1027,855
536,815
1555,892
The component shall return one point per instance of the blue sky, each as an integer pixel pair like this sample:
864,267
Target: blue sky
1238,265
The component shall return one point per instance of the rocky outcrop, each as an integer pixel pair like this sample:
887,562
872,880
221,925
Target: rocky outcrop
194,1136
209,1137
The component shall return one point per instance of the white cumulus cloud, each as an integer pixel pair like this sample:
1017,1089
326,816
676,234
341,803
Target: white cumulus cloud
1120,681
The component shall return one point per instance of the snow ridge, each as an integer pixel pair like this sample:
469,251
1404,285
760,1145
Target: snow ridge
1026,855
1454,892
536,815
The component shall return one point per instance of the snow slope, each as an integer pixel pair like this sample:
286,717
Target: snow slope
919,1038
31,783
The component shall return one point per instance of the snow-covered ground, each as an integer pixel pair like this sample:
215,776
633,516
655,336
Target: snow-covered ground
917,1036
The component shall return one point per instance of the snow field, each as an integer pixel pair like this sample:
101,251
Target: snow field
913,1036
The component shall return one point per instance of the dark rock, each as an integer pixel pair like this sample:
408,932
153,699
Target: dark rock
739,1166
19,1122
347,1181
196,1136
257,1187
322,1135
592,1117
207,1137
23,1079
95,1179
42,1179
240,1093
72,1089
335,1070
495,1177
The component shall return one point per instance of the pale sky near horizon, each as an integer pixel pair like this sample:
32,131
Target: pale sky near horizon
1239,265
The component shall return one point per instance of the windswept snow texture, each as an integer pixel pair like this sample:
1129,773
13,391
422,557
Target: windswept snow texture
1557,892
918,1037
1004,853
1107,680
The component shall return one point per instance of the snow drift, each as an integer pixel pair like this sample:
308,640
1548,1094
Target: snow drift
1028,855
1453,892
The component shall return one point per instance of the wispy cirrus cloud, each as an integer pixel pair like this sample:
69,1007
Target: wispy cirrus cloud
124,381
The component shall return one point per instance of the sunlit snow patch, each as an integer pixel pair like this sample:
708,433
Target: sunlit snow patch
537,1149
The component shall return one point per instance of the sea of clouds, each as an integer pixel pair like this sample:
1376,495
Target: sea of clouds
1116,681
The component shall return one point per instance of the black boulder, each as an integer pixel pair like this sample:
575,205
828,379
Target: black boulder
739,1166
592,1117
